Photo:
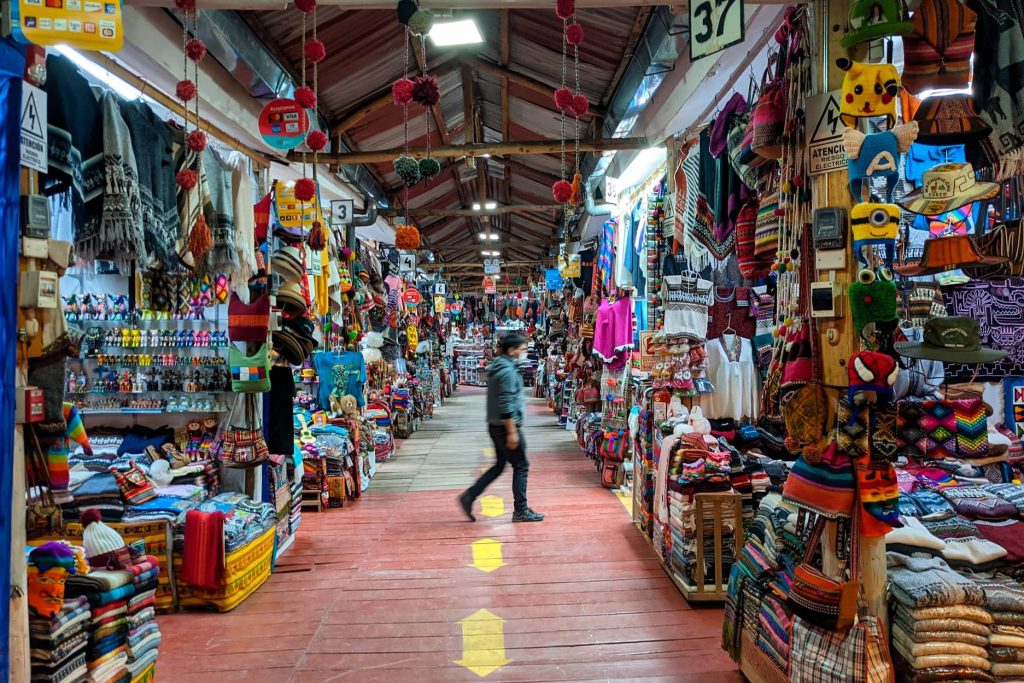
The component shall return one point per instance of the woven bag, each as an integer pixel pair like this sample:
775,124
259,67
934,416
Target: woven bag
857,655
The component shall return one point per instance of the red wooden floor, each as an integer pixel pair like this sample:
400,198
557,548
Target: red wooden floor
386,590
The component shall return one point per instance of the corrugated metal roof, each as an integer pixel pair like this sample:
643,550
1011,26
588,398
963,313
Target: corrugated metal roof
366,53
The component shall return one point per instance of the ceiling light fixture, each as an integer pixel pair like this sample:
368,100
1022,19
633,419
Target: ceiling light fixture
494,235
451,33
476,206
491,205
483,235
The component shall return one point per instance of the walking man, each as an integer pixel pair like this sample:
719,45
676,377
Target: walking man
506,408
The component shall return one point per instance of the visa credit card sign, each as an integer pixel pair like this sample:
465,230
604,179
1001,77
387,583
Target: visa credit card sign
81,24
283,124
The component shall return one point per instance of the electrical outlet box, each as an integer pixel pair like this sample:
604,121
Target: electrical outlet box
29,406
37,289
35,247
829,228
830,259
825,300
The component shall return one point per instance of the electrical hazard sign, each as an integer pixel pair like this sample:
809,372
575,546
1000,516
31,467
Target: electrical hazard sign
825,133
33,128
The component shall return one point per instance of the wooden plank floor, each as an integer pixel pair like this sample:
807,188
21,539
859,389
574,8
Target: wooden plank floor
387,590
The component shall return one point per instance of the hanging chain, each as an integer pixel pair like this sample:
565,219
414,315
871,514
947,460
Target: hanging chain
316,90
426,110
561,112
576,72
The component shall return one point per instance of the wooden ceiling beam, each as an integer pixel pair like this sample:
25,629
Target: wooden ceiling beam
491,69
504,57
522,147
639,24
442,129
470,213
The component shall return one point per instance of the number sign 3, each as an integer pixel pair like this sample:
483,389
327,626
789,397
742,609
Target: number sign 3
714,26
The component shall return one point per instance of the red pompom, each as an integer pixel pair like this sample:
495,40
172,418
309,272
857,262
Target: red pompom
426,91
561,191
574,34
89,516
305,96
195,49
187,179
197,140
304,189
185,5
185,90
401,91
316,140
306,6
315,51
565,8
580,105
563,99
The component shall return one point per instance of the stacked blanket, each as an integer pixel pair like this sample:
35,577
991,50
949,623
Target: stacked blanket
1004,599
143,634
108,593
58,646
939,620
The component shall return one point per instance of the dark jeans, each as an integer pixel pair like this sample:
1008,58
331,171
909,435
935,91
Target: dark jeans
516,458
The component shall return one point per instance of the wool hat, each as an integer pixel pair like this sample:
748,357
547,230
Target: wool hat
872,300
797,361
871,371
288,264
950,119
876,156
946,187
290,295
874,224
869,90
103,546
937,53
873,19
827,487
942,254
53,554
951,340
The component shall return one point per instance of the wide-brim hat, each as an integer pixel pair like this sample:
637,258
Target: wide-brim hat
290,295
949,120
950,340
947,187
290,347
287,263
942,254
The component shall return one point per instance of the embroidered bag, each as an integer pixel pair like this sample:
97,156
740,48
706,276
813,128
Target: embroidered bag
249,374
249,322
823,484
243,445
857,655
615,446
820,599
746,221
766,231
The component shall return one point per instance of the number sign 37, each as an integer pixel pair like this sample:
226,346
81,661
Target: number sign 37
714,26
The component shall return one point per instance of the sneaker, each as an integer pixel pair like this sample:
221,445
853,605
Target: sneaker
466,503
528,516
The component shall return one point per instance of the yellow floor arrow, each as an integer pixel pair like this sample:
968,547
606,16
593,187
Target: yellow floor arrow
490,455
487,555
492,506
483,643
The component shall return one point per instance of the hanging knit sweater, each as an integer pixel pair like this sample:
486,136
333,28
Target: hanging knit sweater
120,235
243,193
219,212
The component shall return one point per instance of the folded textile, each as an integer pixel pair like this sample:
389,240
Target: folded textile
911,648
950,674
96,581
975,502
1008,535
951,527
973,553
999,653
1003,669
914,537
918,628
1012,618
204,553
1006,640
930,505
107,597
969,661
56,656
971,612
1001,594
1011,493
929,582
73,669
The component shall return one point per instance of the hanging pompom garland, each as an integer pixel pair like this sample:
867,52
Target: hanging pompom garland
580,106
305,189
197,141
317,239
406,8
306,6
185,90
187,179
305,96
429,168
426,91
401,91
408,169
564,9
315,51
574,34
407,237
561,191
316,140
563,99
421,22
200,240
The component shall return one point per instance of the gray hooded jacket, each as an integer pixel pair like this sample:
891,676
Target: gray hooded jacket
505,398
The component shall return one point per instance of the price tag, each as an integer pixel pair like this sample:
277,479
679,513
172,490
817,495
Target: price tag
714,26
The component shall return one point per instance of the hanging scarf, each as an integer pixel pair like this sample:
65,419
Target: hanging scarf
74,145
152,143
121,234
243,192
218,209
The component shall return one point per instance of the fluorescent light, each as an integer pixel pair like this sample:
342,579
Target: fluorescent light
483,235
108,79
642,166
494,235
491,205
461,32
484,156
476,206
485,253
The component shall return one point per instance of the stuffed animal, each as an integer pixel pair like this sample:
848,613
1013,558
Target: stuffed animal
868,90
700,424
48,568
348,406
373,341
676,407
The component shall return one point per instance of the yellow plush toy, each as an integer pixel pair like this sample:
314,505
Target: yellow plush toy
868,90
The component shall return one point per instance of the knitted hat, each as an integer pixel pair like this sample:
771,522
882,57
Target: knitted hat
872,301
950,119
874,224
876,156
104,547
827,488
288,264
869,90
53,554
873,19
871,371
798,363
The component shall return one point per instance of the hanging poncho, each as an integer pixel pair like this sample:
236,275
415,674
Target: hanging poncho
152,144
120,236
218,209
74,145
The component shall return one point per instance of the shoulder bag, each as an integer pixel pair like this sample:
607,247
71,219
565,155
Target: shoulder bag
857,655
820,599
249,374
242,444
